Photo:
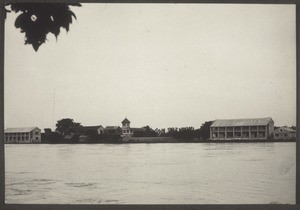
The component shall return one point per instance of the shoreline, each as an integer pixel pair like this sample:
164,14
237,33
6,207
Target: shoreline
176,141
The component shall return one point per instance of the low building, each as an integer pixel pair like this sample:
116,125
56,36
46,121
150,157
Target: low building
113,130
22,135
246,129
284,133
99,129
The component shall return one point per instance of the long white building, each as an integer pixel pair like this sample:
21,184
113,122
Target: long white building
22,135
234,129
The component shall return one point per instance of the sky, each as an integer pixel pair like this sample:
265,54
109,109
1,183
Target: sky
162,65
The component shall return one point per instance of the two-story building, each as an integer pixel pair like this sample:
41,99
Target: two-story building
235,129
22,135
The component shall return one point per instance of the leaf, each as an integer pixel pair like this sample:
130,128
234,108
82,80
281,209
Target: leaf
38,19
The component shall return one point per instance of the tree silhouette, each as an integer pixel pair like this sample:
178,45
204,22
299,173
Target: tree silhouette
66,126
38,19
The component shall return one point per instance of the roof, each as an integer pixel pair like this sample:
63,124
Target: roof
88,128
285,129
20,130
112,127
138,129
242,122
125,121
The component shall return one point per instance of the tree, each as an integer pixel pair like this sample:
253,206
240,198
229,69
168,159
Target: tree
205,130
66,126
145,132
38,19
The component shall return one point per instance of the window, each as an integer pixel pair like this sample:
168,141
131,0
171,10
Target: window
215,135
222,134
229,134
237,135
253,135
36,138
245,134
253,127
285,135
36,133
276,134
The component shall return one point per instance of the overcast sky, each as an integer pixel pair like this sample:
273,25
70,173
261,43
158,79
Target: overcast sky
161,65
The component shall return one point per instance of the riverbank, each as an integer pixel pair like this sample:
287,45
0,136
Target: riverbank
152,140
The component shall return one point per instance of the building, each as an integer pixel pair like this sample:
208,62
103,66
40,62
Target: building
127,131
284,133
235,129
113,130
22,135
99,129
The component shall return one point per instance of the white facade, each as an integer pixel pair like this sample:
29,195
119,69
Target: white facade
22,135
126,130
238,129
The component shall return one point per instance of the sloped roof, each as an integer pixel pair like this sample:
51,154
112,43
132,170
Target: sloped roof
125,121
88,128
241,122
19,130
285,129
138,129
112,127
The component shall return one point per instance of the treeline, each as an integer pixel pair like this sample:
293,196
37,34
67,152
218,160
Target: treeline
183,133
68,131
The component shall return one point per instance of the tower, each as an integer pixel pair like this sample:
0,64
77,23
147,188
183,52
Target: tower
126,131
125,123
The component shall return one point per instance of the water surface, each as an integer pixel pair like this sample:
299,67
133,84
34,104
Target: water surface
206,173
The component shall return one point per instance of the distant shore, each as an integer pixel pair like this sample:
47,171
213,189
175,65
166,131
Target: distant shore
152,140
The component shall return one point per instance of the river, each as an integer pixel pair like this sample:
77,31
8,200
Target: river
182,173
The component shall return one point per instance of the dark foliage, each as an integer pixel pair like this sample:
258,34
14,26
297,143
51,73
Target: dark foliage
146,132
66,126
184,133
51,137
189,133
38,19
205,130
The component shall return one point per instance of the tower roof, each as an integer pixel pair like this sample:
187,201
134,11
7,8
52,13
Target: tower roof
125,121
